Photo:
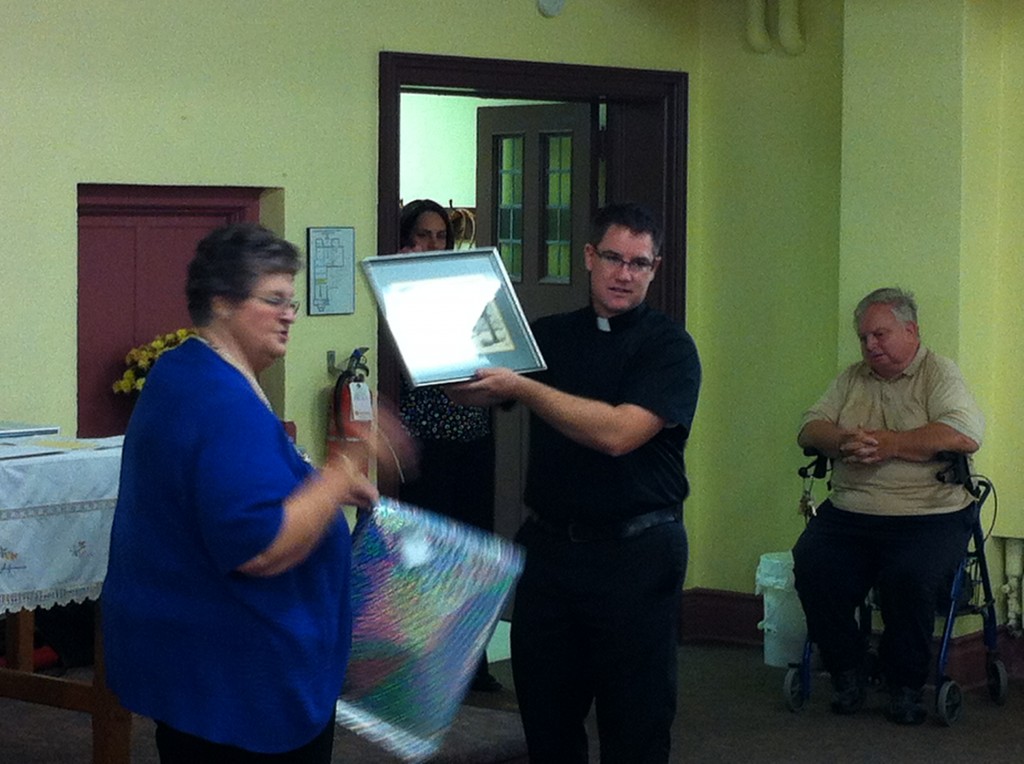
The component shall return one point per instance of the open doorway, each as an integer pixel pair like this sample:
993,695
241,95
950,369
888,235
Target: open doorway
520,176
642,149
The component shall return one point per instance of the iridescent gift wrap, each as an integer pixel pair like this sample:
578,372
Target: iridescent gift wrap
427,592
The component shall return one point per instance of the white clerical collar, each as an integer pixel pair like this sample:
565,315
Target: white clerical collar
603,324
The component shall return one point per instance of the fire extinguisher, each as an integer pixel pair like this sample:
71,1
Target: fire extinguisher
351,412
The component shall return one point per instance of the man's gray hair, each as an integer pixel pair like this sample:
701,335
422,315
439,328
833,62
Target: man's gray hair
900,300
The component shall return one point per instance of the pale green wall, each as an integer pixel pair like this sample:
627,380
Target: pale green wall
438,149
997,312
762,280
283,94
903,88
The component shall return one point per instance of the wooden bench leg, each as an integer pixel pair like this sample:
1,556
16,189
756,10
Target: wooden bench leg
111,723
20,631
111,732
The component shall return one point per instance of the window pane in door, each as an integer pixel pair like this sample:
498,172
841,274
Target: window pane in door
557,232
509,204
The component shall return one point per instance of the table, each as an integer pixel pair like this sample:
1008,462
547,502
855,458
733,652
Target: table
56,507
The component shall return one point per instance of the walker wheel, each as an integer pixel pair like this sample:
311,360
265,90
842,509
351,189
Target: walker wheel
793,691
949,702
998,681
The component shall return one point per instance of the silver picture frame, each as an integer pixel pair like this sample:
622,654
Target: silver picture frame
451,313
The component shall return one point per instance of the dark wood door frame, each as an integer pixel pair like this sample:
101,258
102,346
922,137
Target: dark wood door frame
494,78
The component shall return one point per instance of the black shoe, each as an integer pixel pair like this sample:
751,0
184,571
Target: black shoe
905,706
848,697
485,682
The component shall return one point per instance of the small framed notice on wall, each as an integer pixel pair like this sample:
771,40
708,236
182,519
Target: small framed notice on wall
331,271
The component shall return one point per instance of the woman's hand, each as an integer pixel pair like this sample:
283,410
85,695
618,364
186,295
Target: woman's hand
347,484
391,446
313,507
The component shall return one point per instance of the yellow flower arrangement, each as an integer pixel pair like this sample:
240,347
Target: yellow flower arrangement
139,360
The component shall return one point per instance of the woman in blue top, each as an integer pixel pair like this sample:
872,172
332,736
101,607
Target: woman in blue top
226,604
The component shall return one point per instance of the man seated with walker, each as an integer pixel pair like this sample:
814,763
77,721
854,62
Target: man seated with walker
888,522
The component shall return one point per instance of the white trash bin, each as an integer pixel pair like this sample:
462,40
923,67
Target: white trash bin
784,627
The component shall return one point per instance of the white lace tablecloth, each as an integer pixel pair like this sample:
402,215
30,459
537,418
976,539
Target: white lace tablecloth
56,508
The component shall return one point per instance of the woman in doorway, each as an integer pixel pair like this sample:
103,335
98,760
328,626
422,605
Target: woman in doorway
456,475
226,603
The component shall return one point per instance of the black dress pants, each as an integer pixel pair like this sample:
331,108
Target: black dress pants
596,622
910,560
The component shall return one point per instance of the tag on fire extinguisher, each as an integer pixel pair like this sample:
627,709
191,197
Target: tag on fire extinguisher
362,405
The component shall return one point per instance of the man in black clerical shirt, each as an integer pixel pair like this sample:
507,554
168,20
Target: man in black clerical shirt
596,611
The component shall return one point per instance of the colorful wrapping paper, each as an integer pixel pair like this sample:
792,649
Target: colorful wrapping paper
427,592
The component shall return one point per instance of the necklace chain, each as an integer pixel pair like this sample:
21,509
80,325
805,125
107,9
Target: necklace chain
251,379
232,361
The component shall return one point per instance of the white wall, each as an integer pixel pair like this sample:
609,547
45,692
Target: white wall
437,158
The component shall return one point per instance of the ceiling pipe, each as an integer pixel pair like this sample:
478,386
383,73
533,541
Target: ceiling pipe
790,38
757,26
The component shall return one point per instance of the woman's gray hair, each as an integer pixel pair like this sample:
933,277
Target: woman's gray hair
900,300
229,261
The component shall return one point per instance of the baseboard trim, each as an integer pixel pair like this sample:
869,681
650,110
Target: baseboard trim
967,657
716,616
719,616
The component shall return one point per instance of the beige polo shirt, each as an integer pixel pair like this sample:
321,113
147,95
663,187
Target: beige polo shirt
931,389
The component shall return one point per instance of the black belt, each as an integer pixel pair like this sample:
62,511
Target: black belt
623,529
